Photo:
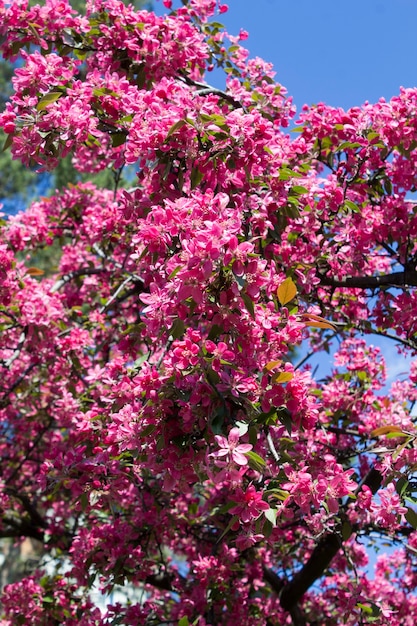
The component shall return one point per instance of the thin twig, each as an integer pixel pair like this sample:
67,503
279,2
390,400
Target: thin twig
66,278
17,351
116,293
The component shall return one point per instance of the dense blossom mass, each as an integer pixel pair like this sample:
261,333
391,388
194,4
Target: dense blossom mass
161,427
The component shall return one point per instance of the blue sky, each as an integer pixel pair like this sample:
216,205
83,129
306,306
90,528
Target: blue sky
341,53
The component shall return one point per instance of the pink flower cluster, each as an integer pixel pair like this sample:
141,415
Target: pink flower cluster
161,428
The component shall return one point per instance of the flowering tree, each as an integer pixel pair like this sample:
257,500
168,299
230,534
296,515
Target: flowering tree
156,430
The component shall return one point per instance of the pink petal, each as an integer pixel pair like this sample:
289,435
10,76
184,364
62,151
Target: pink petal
239,458
221,452
222,441
233,437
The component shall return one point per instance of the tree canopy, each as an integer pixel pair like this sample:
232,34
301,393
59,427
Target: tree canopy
161,427
21,183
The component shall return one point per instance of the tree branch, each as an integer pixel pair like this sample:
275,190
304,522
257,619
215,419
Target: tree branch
319,561
160,581
204,89
83,271
290,593
396,279
22,529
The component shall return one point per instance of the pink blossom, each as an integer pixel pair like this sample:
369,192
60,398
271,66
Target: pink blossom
246,540
250,504
159,322
231,448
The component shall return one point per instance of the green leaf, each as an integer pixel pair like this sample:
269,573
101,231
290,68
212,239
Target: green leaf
140,361
105,91
49,98
248,304
179,124
286,174
298,189
266,529
177,329
271,515
255,461
8,142
401,486
196,177
84,501
387,186
411,517
293,201
215,332
277,494
352,206
272,365
285,417
395,435
218,421
147,430
174,272
269,418
92,141
218,120
370,609
213,378
348,145
232,522
291,210
118,138
282,377
183,621
346,530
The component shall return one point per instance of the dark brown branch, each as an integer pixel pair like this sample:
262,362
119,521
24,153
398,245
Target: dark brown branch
5,394
276,583
32,511
160,581
222,94
28,454
103,256
297,616
22,529
83,271
396,279
30,524
319,561
291,593
204,89
373,480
